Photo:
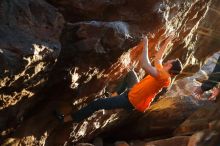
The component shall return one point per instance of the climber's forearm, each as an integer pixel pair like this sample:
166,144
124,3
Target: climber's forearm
159,55
146,64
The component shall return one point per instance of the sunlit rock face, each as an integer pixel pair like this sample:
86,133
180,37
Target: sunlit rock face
209,31
98,42
29,47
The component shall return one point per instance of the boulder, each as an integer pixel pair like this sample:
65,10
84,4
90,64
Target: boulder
29,48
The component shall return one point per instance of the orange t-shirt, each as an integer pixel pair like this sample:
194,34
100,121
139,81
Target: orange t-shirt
143,93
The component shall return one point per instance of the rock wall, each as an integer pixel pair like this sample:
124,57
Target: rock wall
29,48
73,51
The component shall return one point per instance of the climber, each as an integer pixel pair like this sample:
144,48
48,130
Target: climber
128,82
212,81
140,96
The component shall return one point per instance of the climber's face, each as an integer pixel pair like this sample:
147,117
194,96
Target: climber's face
168,65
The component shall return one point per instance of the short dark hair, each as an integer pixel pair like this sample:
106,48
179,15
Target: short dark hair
176,67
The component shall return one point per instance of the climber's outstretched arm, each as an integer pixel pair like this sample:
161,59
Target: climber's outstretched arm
159,56
146,64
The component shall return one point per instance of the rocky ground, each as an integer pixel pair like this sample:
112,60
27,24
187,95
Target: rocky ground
64,54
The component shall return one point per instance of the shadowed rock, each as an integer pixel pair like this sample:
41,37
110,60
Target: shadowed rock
29,47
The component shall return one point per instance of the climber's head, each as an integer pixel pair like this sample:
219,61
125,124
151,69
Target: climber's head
174,67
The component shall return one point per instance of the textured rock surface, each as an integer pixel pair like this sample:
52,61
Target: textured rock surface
161,119
178,140
96,52
29,47
205,124
209,31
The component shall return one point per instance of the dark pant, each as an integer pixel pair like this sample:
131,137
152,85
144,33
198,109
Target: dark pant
116,102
